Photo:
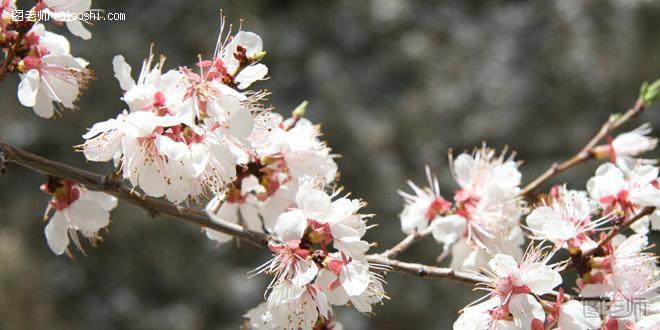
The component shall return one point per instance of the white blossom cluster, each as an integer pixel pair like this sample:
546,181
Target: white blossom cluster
190,134
483,228
51,78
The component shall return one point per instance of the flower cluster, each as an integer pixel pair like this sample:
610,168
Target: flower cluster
283,152
514,298
318,261
185,131
191,134
484,214
485,222
51,78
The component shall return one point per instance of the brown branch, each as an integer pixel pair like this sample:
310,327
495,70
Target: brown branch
426,271
408,241
431,272
110,185
11,54
587,151
575,260
616,230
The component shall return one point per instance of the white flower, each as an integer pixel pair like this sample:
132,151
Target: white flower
632,276
76,210
351,280
423,207
487,205
297,307
477,317
625,147
513,288
103,140
156,91
634,272
483,173
626,193
62,8
565,220
293,145
50,75
332,221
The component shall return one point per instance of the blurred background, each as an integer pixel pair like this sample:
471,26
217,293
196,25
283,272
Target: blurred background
394,83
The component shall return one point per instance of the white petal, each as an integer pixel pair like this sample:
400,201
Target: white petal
538,217
251,74
504,265
291,225
44,105
77,29
354,248
559,230
123,72
250,215
28,87
200,158
575,316
315,203
151,181
107,202
449,229
227,212
88,215
170,148
463,170
525,308
540,278
57,234
355,277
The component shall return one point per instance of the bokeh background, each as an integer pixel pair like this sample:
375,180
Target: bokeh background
394,83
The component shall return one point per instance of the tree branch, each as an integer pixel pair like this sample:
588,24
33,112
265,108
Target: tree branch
577,259
111,185
587,151
426,271
409,240
616,230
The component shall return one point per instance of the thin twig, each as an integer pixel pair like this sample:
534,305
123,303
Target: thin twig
426,271
575,260
584,154
587,151
409,240
11,54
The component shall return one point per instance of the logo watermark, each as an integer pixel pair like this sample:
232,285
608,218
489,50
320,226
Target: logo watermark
18,15
635,308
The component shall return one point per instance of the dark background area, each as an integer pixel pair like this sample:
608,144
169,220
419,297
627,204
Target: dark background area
394,83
